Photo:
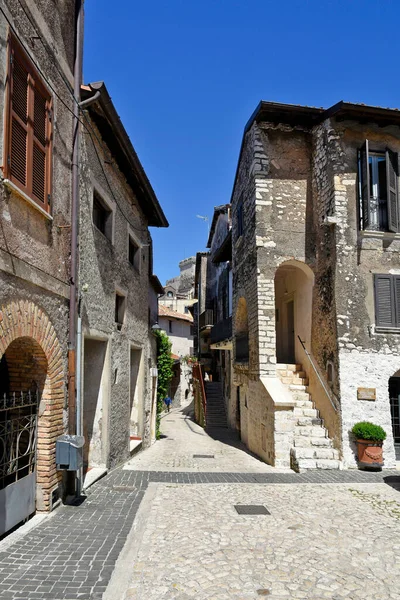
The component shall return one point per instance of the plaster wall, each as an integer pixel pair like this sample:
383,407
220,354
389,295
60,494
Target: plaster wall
105,268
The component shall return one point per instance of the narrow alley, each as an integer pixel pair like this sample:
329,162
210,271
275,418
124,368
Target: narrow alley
165,526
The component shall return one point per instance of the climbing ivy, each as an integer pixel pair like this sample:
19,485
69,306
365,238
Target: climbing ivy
164,366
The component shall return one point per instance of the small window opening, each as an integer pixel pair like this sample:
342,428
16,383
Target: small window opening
120,306
102,216
170,295
170,326
133,253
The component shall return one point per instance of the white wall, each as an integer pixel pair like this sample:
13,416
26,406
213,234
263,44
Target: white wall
180,337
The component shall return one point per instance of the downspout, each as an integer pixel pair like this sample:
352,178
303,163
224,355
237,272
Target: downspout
72,357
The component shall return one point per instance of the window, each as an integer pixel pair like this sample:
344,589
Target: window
133,253
170,295
120,306
186,310
102,216
169,326
239,216
192,330
387,300
28,131
378,173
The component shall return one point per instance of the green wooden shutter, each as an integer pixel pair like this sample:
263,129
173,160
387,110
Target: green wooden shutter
385,314
365,191
396,285
392,193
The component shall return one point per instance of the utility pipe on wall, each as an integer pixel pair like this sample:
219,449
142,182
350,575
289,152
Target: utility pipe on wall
72,358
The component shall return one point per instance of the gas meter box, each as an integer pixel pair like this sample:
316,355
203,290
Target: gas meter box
69,452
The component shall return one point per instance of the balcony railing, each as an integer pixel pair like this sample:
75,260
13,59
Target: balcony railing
206,318
221,331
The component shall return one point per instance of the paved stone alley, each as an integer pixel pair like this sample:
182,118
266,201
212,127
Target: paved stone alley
165,526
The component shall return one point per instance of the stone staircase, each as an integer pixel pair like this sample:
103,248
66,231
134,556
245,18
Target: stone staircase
312,448
216,414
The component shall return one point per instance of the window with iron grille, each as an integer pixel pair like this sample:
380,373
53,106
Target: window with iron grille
28,131
379,189
387,300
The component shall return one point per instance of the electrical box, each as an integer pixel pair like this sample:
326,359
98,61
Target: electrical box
69,452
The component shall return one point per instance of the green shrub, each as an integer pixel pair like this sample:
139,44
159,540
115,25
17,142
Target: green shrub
368,431
164,366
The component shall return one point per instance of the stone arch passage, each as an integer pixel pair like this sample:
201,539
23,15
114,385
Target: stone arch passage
294,282
26,331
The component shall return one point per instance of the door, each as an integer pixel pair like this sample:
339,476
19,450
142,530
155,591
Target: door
394,394
290,332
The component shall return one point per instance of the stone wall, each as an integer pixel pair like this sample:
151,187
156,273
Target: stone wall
105,268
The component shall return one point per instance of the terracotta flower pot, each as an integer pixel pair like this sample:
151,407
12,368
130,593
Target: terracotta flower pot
370,453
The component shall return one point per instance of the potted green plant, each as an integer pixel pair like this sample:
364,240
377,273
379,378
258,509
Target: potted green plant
369,439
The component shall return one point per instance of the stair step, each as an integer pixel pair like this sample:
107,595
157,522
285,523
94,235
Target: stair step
309,430
304,464
307,421
288,367
304,403
308,442
298,388
315,453
306,411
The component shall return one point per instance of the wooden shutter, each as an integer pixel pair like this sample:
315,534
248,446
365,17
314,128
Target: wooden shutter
396,286
28,135
365,187
392,193
385,301
18,146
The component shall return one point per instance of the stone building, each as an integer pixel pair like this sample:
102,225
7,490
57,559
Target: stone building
214,291
315,276
179,291
180,330
36,71
118,302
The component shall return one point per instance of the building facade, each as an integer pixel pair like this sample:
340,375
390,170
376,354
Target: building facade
315,268
179,291
118,300
36,103
180,330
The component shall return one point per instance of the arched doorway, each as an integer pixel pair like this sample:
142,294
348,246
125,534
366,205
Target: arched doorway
293,310
31,411
394,396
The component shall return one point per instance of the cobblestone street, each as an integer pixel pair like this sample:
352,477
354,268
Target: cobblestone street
165,527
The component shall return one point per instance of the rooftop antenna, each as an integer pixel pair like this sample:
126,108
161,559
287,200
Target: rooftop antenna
205,219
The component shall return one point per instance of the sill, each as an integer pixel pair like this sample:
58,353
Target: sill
11,186
390,330
110,241
382,235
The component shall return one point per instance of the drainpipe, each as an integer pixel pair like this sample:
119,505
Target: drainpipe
72,357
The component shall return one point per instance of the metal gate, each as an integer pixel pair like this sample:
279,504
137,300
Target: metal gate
18,434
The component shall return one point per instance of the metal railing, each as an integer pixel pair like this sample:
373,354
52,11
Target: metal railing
206,318
328,392
221,331
198,375
18,423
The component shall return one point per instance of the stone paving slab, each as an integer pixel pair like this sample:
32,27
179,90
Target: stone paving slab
328,541
183,439
72,555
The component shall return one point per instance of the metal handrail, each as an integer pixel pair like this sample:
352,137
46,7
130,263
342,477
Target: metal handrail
328,392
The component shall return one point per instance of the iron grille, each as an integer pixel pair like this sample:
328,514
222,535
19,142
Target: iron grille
18,423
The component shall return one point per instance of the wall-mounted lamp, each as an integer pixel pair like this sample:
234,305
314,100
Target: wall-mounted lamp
155,327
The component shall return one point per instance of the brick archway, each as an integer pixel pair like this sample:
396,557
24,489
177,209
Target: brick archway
24,320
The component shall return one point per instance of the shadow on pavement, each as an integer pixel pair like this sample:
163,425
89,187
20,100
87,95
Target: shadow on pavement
393,481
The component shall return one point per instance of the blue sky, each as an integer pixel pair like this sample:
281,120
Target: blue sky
186,75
